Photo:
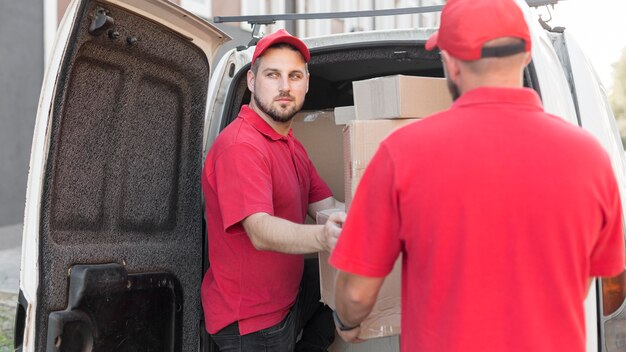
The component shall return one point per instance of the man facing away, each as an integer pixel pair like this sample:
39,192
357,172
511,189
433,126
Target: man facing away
502,212
259,185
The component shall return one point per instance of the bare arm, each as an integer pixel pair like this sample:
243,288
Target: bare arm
355,297
272,233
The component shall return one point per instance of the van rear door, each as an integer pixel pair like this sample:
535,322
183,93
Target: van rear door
595,115
113,243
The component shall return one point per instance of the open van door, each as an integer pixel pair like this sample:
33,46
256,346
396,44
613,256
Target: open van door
606,304
113,245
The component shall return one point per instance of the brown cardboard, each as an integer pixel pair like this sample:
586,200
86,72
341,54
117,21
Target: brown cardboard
344,114
398,96
360,142
320,136
328,274
382,344
384,320
322,139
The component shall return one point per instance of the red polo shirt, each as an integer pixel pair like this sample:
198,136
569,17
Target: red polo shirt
502,213
250,169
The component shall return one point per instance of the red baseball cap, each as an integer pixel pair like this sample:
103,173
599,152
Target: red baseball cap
466,25
280,36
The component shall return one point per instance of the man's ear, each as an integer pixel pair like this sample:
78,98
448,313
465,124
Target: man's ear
528,58
308,79
250,79
451,66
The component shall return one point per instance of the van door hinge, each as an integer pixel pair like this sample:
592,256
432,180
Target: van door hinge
100,22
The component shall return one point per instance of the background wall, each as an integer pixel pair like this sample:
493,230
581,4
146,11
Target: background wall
21,73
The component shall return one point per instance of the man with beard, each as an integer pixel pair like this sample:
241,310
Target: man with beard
259,185
502,213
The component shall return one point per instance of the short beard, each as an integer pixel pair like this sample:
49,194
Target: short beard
274,114
453,88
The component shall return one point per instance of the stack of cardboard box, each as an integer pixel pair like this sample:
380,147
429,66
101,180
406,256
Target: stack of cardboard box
381,105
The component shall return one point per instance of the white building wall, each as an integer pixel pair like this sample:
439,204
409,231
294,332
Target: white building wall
25,34
385,22
309,28
262,7
405,21
49,27
350,24
199,7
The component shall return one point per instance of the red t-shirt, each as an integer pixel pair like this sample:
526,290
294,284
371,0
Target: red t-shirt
250,169
502,213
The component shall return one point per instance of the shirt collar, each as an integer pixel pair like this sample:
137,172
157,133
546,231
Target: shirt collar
500,95
251,117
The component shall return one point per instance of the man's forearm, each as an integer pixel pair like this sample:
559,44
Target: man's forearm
355,297
271,233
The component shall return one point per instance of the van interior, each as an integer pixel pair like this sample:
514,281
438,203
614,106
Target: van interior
334,69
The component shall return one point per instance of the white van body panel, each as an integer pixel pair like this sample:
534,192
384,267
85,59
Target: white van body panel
555,92
597,118
29,273
595,112
218,90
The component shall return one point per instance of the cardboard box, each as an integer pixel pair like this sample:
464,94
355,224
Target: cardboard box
322,139
328,274
383,344
360,142
398,96
384,320
344,114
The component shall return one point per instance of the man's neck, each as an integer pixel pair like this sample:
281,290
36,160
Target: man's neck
499,75
281,128
509,82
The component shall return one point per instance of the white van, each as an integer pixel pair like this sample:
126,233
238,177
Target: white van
113,248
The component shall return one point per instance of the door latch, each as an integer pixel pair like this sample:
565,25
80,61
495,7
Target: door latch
100,22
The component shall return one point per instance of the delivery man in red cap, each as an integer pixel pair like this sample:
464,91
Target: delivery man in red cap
259,185
503,213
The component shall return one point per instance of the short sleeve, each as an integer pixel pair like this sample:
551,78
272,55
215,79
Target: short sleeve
243,183
369,243
607,258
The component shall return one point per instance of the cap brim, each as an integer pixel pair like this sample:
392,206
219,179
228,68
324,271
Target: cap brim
432,41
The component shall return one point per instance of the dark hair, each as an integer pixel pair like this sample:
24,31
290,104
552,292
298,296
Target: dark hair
257,62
